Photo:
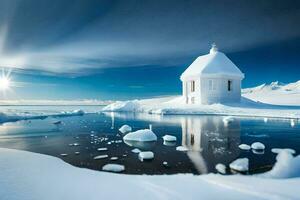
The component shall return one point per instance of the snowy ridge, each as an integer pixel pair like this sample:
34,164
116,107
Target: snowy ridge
19,174
275,93
11,117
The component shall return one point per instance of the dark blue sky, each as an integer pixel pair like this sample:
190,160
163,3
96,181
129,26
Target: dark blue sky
79,49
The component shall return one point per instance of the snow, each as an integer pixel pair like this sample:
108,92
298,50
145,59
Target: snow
221,168
216,63
169,138
102,149
122,106
181,148
287,105
240,164
244,147
258,146
100,157
125,129
275,93
286,166
113,168
25,175
146,155
143,135
278,150
135,150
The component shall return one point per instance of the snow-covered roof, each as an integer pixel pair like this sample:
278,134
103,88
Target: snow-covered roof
214,64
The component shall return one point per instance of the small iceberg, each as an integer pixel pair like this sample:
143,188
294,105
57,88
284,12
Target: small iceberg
181,148
258,146
77,153
146,155
265,120
102,149
100,157
221,168
113,168
227,120
288,150
143,135
169,138
114,158
136,150
244,147
240,164
293,122
125,129
170,144
64,154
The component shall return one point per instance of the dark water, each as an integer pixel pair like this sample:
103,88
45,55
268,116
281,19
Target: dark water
208,139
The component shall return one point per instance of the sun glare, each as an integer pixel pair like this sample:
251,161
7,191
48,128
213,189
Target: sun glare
4,83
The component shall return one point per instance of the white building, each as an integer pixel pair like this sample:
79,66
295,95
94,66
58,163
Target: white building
212,78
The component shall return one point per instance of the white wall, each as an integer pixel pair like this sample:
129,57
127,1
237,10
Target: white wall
219,94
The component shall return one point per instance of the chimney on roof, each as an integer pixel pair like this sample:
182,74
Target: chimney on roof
214,48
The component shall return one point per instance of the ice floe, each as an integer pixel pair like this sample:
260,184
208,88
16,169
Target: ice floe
136,150
258,146
102,149
169,138
221,168
278,150
146,155
244,147
125,129
144,135
181,148
240,164
100,157
113,168
114,158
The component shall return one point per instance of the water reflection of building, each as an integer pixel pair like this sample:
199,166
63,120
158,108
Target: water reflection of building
210,141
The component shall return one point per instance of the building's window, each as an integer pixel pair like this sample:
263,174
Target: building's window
193,100
211,85
192,86
229,85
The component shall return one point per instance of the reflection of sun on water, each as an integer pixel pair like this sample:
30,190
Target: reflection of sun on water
4,83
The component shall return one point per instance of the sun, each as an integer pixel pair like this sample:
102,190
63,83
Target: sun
4,83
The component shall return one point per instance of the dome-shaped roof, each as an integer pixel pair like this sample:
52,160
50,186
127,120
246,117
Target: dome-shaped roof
214,64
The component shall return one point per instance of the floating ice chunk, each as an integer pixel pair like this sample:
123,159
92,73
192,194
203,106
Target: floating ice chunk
166,164
146,155
144,135
136,150
221,168
100,157
125,129
293,122
170,144
114,158
64,154
78,112
169,138
77,153
118,141
258,146
102,149
265,120
240,164
181,148
278,150
113,168
108,142
227,120
244,147
76,144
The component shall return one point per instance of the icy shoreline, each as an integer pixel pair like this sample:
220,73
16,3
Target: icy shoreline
25,175
175,106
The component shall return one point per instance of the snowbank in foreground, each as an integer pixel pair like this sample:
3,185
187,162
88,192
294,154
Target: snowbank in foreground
11,117
25,175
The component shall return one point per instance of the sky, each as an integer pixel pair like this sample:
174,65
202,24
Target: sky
116,50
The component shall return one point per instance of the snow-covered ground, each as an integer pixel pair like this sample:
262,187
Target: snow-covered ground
286,100
31,176
275,93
